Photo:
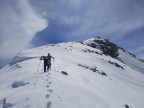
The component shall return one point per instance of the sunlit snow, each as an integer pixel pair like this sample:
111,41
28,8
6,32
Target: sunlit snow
83,87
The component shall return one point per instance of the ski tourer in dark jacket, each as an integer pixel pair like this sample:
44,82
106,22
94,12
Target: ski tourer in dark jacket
47,61
49,58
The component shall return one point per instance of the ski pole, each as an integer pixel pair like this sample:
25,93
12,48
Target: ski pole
54,63
38,66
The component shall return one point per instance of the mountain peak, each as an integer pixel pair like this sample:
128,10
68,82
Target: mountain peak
107,47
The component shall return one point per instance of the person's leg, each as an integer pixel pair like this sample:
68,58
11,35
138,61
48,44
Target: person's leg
48,65
45,67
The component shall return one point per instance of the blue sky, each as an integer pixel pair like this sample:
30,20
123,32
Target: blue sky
26,24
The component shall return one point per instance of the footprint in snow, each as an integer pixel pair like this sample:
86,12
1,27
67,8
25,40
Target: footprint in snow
49,82
47,86
49,104
47,96
50,90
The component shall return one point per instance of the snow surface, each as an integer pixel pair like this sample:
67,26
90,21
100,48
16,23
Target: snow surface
131,61
81,88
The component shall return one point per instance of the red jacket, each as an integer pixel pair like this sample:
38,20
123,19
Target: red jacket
46,60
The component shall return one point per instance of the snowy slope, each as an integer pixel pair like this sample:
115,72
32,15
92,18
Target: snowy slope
94,80
131,60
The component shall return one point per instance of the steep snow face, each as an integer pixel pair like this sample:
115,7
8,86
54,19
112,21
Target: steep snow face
130,60
80,77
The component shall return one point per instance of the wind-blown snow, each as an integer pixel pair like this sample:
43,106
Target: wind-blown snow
82,87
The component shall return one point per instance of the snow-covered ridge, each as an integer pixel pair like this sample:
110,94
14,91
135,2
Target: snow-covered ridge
80,77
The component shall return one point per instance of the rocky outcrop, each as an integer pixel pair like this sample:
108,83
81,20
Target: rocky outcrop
107,47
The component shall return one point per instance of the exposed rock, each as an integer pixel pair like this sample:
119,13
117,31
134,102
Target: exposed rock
92,51
141,60
94,69
116,64
107,47
63,72
93,45
126,106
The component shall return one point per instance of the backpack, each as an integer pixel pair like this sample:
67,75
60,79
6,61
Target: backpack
48,60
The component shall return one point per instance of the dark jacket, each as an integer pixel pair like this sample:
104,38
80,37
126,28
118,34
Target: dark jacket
49,57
